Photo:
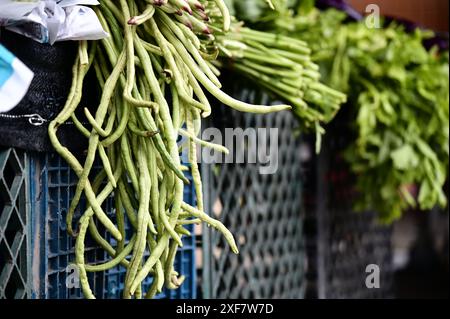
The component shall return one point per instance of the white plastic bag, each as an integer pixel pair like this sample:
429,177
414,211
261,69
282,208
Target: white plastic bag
50,21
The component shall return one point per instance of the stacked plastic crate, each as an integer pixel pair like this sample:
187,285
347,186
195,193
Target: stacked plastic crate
263,211
36,251
14,215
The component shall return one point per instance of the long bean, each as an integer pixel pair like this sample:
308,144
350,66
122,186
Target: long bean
153,71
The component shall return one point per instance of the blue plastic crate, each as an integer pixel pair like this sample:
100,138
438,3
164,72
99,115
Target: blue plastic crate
52,185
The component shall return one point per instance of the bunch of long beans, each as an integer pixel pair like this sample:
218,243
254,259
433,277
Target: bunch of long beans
152,71
283,65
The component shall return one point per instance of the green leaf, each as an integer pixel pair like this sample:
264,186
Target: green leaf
405,158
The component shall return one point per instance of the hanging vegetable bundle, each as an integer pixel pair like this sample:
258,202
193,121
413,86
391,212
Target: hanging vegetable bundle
278,62
152,71
283,66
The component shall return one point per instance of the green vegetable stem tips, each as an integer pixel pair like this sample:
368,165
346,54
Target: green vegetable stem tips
152,72
282,65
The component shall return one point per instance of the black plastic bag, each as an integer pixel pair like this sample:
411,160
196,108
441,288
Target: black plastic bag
26,125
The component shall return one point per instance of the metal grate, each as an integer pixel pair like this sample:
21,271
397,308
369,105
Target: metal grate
345,242
52,186
263,212
13,225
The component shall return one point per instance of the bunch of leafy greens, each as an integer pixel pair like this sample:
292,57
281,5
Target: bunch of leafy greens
398,93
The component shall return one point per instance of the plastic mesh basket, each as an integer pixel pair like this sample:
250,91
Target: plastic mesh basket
264,212
341,242
14,267
52,185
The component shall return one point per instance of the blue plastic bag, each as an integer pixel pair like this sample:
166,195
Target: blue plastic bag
15,79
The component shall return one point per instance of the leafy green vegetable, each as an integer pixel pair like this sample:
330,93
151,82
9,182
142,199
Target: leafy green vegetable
398,95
